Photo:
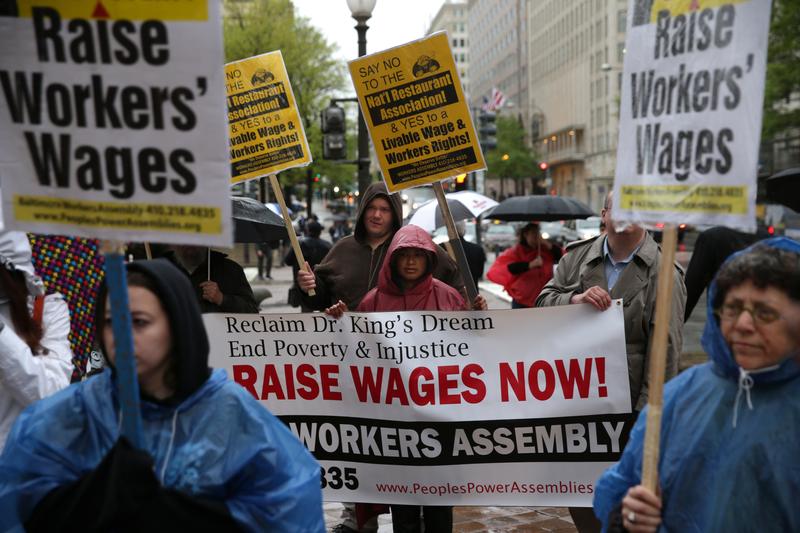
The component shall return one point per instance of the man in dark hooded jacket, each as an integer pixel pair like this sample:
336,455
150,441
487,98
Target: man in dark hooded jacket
351,268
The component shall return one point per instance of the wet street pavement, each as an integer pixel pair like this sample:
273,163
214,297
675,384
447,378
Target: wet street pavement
486,519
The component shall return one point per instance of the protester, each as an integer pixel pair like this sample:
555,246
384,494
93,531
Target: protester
406,283
524,268
213,460
622,263
314,251
729,442
712,247
35,354
476,257
264,251
225,290
351,267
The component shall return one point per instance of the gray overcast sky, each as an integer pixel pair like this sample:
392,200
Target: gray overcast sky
393,22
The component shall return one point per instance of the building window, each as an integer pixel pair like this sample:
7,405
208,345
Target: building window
621,20
620,52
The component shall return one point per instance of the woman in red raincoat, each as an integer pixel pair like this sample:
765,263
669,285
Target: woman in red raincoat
525,268
406,283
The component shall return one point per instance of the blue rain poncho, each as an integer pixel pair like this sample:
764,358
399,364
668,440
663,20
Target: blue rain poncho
730,444
213,442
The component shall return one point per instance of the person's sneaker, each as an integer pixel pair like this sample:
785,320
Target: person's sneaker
341,528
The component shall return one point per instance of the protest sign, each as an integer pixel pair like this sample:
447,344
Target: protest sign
112,120
416,112
266,133
523,407
690,113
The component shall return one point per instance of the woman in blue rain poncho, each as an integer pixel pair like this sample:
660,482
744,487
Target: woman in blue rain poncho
214,459
730,445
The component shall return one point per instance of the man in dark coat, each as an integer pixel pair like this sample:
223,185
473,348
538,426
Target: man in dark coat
226,290
314,251
476,257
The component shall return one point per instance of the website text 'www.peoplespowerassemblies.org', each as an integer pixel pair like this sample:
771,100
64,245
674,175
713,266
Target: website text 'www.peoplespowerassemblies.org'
468,488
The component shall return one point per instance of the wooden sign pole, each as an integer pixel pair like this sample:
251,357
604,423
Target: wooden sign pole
455,242
658,358
298,253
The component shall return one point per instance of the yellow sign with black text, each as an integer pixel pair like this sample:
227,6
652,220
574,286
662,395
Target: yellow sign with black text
266,133
416,112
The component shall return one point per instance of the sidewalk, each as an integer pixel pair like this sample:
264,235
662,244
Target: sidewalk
484,519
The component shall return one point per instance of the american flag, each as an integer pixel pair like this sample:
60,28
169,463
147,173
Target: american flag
494,102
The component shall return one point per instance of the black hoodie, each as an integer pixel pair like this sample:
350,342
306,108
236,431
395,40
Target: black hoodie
351,268
190,343
189,339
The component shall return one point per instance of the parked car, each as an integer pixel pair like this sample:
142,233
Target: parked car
558,232
588,227
414,197
498,237
440,235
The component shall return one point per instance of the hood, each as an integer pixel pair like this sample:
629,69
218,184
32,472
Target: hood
410,236
718,350
15,255
374,190
190,343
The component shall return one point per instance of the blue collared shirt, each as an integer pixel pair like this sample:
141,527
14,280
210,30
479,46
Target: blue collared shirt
614,268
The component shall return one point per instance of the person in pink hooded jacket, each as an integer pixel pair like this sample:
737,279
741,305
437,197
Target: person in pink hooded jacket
406,283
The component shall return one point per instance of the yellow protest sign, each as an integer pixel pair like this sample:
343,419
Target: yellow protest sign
416,112
266,133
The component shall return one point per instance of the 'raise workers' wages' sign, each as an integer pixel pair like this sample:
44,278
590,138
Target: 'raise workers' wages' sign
690,115
112,120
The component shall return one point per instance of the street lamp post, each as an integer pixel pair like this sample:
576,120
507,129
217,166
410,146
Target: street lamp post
361,10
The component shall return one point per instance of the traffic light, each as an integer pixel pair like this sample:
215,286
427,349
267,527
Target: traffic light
461,182
334,145
543,166
487,130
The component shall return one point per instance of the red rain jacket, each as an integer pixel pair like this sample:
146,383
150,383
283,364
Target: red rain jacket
429,294
525,287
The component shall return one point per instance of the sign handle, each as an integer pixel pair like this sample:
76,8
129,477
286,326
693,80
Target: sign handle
148,252
658,358
124,362
461,258
298,253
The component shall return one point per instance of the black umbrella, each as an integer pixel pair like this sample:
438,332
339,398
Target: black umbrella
784,188
255,222
540,207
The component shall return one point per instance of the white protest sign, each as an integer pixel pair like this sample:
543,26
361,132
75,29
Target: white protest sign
112,120
522,407
690,114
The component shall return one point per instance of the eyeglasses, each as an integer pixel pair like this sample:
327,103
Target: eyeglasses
761,314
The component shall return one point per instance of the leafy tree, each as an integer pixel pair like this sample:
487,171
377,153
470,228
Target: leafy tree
260,26
783,69
512,158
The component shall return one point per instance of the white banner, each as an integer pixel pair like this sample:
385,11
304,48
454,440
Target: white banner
112,120
507,407
690,113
